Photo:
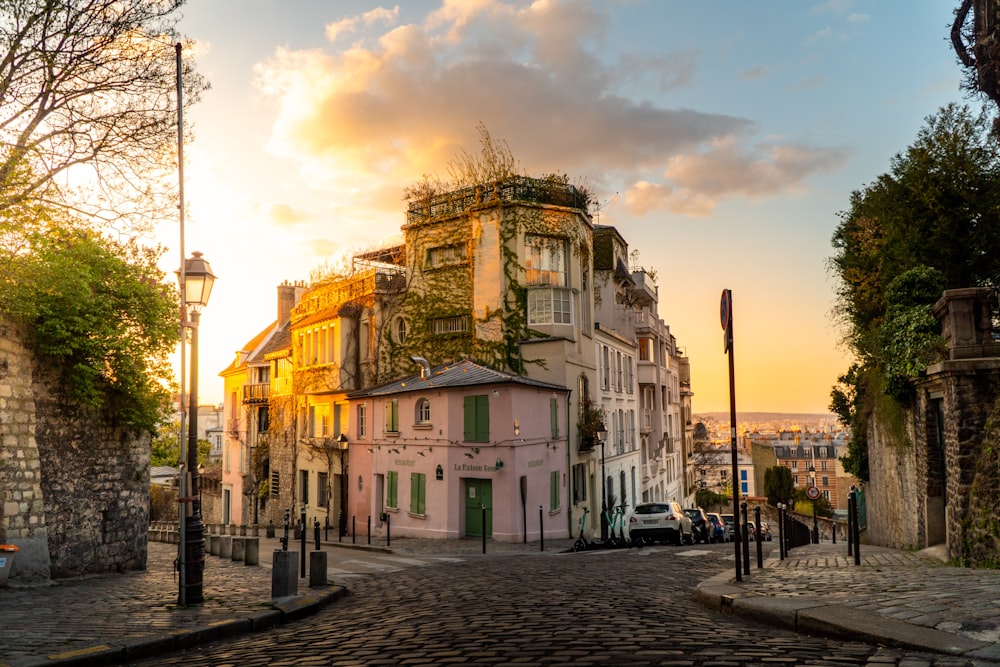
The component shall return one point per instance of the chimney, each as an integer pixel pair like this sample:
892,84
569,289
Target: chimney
425,366
288,296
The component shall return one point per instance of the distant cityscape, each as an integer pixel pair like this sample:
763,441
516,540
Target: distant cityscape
718,423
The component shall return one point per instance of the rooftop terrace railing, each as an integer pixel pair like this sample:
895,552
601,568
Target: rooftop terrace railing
519,188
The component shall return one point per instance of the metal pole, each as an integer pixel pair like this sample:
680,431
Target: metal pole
815,525
850,522
541,529
183,486
302,539
728,325
781,531
484,527
604,502
746,538
760,547
388,533
195,547
857,531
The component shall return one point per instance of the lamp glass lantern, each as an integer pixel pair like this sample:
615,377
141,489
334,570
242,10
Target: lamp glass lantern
198,281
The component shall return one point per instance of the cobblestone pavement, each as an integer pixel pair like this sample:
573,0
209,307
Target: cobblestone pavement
513,605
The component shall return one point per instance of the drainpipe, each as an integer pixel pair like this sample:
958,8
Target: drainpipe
425,366
569,467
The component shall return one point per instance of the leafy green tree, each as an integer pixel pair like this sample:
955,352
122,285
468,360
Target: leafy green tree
100,313
166,446
778,485
710,499
932,223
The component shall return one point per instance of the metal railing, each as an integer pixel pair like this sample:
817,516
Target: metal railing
518,188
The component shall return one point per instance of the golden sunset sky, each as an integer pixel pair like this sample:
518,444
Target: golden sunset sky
722,140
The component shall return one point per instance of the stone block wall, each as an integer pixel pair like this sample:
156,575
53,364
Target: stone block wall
75,488
22,512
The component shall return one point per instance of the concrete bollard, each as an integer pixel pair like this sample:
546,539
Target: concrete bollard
175,536
255,532
251,555
232,529
285,574
317,568
214,544
225,546
239,548
243,530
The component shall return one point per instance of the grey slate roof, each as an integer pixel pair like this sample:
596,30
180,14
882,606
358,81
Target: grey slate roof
462,373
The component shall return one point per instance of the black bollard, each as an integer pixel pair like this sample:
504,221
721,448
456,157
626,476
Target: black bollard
781,531
354,527
833,527
388,534
340,523
850,522
302,556
857,530
760,546
746,538
316,532
541,529
369,529
284,538
484,528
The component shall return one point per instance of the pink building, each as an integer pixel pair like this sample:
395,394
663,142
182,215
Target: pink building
429,452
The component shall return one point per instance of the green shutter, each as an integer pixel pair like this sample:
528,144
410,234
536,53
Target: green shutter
470,418
418,492
554,490
482,418
391,479
477,418
554,416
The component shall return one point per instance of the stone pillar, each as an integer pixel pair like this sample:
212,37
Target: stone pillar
239,548
317,568
252,553
225,546
285,574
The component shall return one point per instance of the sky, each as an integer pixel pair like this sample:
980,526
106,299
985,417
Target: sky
721,139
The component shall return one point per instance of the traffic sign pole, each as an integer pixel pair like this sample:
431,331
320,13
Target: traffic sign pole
726,316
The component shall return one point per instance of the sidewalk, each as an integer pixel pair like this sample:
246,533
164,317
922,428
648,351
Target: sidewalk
910,600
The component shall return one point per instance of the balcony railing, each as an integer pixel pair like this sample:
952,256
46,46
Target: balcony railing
519,188
256,393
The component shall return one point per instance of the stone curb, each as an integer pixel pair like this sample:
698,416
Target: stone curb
283,610
814,616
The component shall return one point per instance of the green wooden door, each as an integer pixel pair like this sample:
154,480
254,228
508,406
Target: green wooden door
478,492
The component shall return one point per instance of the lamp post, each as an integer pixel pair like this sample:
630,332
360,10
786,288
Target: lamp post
601,433
196,283
815,497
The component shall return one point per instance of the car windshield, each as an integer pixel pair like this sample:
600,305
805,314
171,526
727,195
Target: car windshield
694,514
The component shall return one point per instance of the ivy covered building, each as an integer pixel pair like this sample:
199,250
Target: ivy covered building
501,275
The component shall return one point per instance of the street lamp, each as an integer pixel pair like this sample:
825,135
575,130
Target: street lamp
197,280
812,483
601,433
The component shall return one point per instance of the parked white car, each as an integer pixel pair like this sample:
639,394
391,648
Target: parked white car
663,522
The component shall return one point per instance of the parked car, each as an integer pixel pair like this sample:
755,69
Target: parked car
699,524
730,526
720,533
663,521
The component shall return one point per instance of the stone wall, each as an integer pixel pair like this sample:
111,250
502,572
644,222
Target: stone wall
75,489
22,512
893,497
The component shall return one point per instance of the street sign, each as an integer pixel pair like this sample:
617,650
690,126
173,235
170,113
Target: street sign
812,493
725,309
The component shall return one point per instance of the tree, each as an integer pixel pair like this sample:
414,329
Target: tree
88,127
932,223
778,485
100,314
87,99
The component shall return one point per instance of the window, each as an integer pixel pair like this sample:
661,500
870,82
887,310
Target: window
477,418
275,484
744,488
795,465
619,373
392,416
399,330
550,306
743,475
554,416
553,490
579,482
629,374
443,255
447,325
362,423
423,411
822,452
304,486
319,421
418,492
262,419
826,481
644,346
621,488
605,367
391,488
323,489
545,260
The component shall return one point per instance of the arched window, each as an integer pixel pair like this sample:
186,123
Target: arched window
423,411
400,330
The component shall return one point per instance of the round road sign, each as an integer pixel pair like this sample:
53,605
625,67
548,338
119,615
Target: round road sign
812,493
725,308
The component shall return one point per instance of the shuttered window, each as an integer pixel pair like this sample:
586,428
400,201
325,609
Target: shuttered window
391,489
477,418
418,492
